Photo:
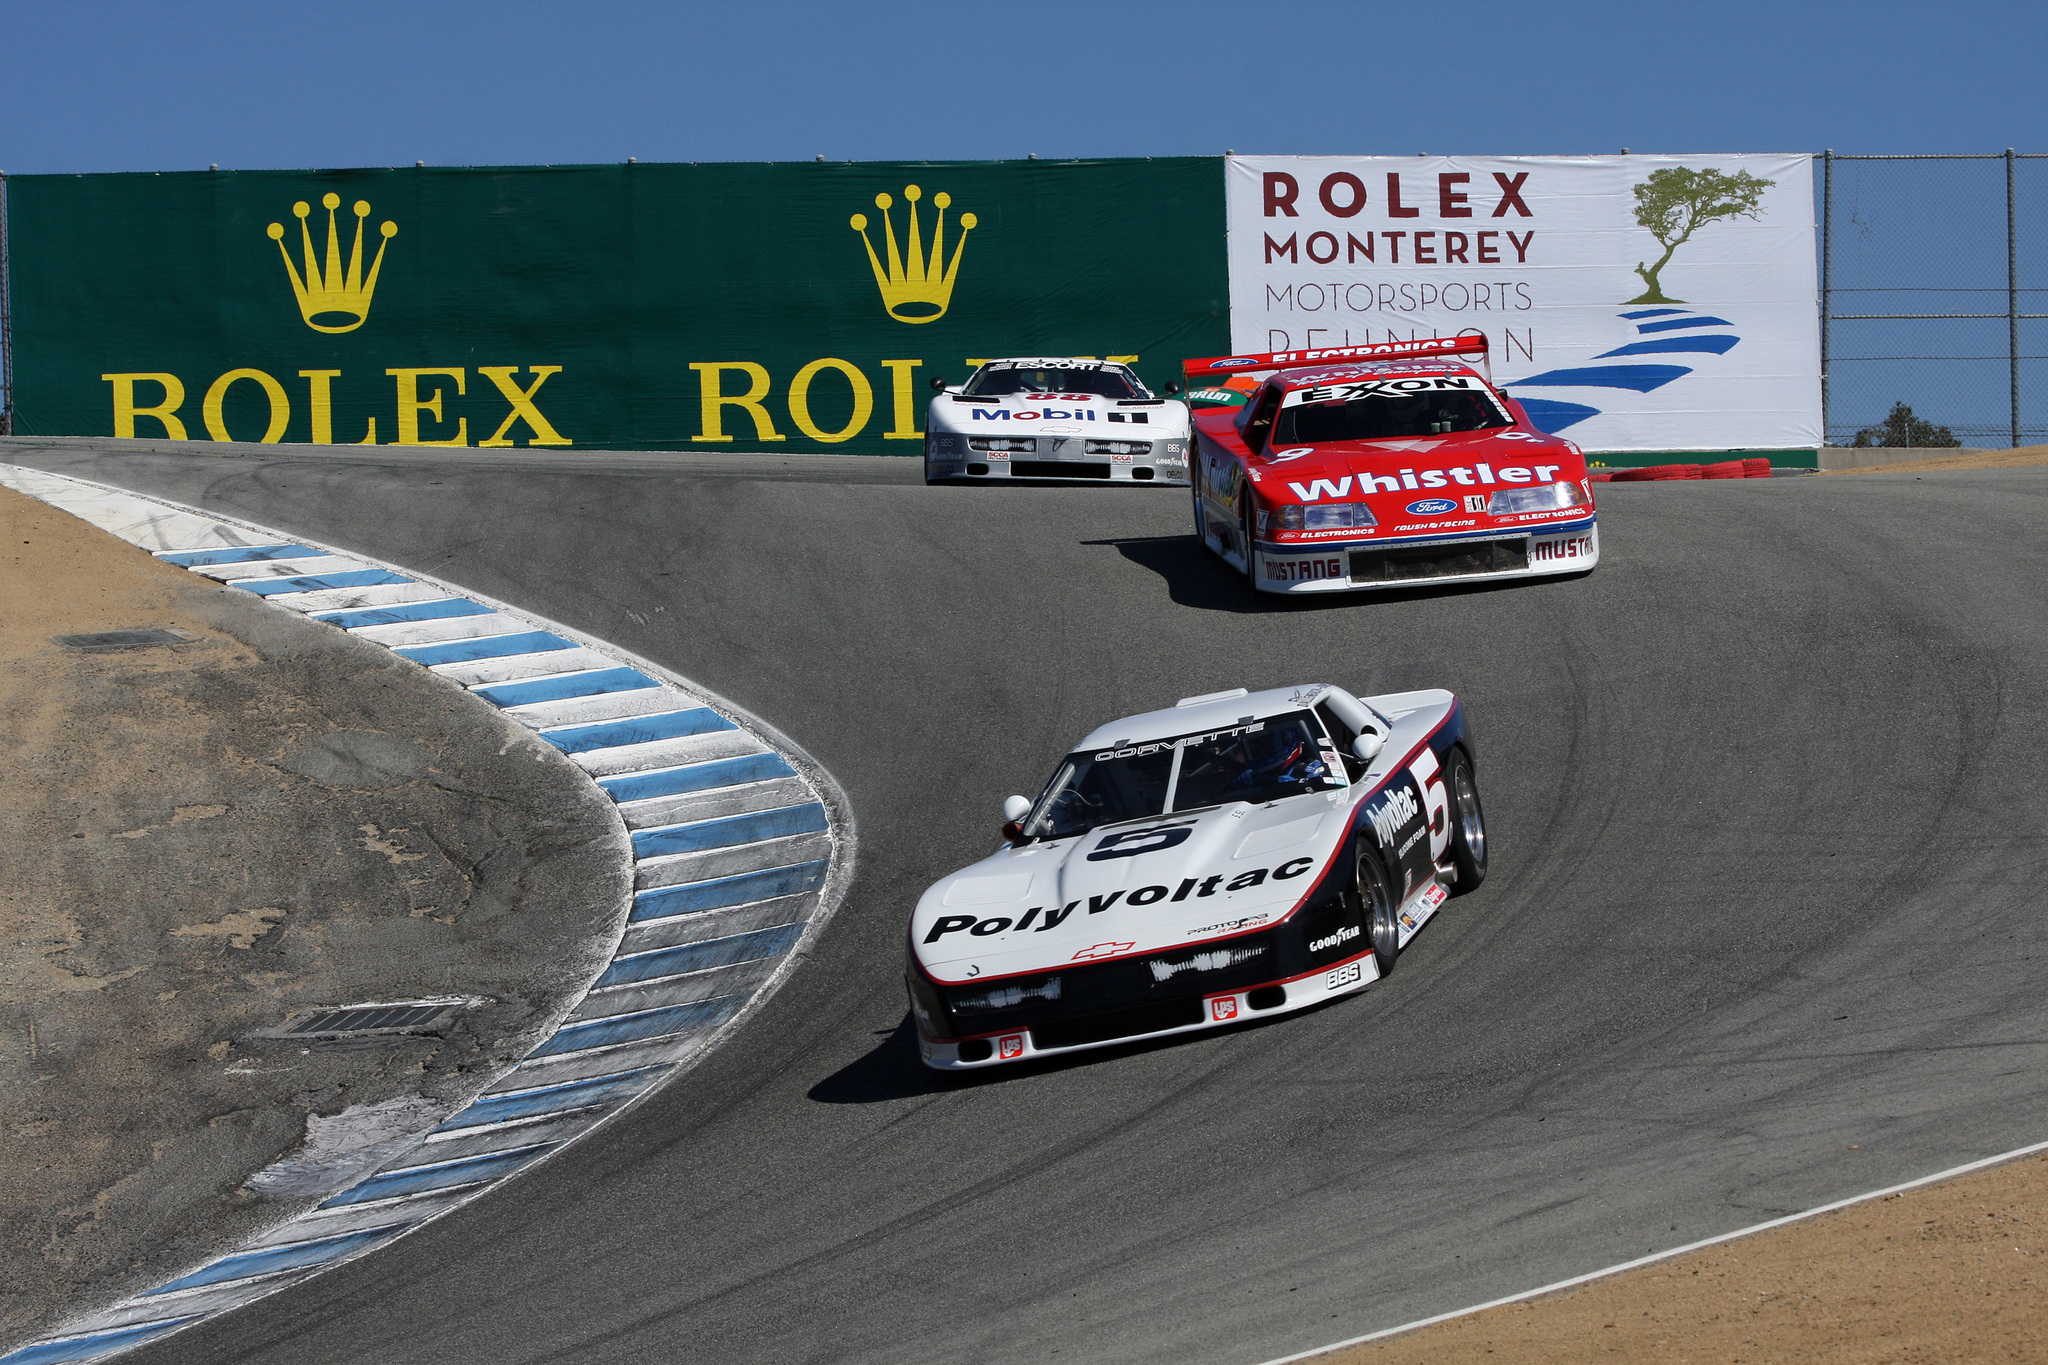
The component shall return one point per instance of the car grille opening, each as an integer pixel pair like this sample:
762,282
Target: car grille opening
1155,1017
1398,565
1057,469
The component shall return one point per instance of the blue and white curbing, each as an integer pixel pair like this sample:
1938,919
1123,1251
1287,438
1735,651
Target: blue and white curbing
742,848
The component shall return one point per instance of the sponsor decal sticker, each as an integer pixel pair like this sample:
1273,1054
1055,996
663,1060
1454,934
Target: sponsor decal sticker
1223,1007
1569,547
1243,922
1430,507
1344,935
1392,813
1129,843
1103,950
1343,976
1010,1045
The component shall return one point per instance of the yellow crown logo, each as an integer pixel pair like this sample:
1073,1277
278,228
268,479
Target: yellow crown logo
915,290
329,293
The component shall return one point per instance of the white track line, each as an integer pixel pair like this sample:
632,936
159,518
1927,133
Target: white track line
1652,1259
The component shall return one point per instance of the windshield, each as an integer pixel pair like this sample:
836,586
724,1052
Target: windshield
1385,409
1260,761
1002,380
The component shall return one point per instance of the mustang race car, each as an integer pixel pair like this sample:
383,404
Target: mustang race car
1055,419
1238,854
1381,466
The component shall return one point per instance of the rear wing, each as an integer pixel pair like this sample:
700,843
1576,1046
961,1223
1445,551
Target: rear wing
1219,368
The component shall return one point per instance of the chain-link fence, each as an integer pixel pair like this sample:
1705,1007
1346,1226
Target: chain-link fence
1934,295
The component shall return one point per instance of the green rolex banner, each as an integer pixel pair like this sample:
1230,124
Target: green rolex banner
773,307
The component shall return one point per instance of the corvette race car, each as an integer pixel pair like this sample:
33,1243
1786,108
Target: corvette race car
1381,466
1238,854
1055,419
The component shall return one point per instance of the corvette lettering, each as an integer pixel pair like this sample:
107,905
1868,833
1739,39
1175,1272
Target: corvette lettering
1179,742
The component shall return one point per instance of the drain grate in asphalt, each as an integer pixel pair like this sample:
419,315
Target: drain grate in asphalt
125,639
402,1017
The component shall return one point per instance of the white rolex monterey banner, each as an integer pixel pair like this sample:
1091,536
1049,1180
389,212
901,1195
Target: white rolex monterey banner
1631,303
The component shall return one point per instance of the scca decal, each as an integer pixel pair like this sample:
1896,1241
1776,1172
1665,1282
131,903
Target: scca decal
1144,895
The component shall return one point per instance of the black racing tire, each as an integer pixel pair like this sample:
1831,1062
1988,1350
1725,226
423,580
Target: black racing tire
1377,903
1468,823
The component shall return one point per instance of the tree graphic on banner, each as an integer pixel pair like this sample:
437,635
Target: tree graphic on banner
1678,201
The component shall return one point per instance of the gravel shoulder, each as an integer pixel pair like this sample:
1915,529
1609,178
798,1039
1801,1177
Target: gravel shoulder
206,838
1947,1273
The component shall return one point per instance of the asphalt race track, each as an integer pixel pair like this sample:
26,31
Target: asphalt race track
1764,926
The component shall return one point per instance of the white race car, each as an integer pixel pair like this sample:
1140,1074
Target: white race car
1055,419
1239,854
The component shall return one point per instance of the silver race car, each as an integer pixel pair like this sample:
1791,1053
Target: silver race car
1238,854
1056,418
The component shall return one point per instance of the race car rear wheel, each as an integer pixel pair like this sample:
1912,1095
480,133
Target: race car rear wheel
1376,901
1468,824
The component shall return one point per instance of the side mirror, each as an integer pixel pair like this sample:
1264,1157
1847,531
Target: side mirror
1172,387
1368,745
1016,807
938,383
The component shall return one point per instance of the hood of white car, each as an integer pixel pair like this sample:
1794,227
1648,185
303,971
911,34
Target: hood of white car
1132,887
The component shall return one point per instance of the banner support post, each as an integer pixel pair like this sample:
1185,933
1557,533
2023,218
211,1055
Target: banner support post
6,321
1827,225
2012,300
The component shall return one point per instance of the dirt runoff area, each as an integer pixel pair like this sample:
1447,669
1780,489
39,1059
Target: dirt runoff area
1945,1274
1976,459
201,840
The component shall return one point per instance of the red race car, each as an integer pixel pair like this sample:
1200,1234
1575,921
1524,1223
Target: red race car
1355,467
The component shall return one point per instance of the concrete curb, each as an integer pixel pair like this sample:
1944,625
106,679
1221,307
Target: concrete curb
743,846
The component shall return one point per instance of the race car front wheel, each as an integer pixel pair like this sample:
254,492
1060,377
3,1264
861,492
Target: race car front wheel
1468,824
1376,900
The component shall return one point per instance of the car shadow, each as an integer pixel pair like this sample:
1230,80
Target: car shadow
1195,577
892,1070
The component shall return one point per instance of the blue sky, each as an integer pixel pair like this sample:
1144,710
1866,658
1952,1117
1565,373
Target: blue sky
135,86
